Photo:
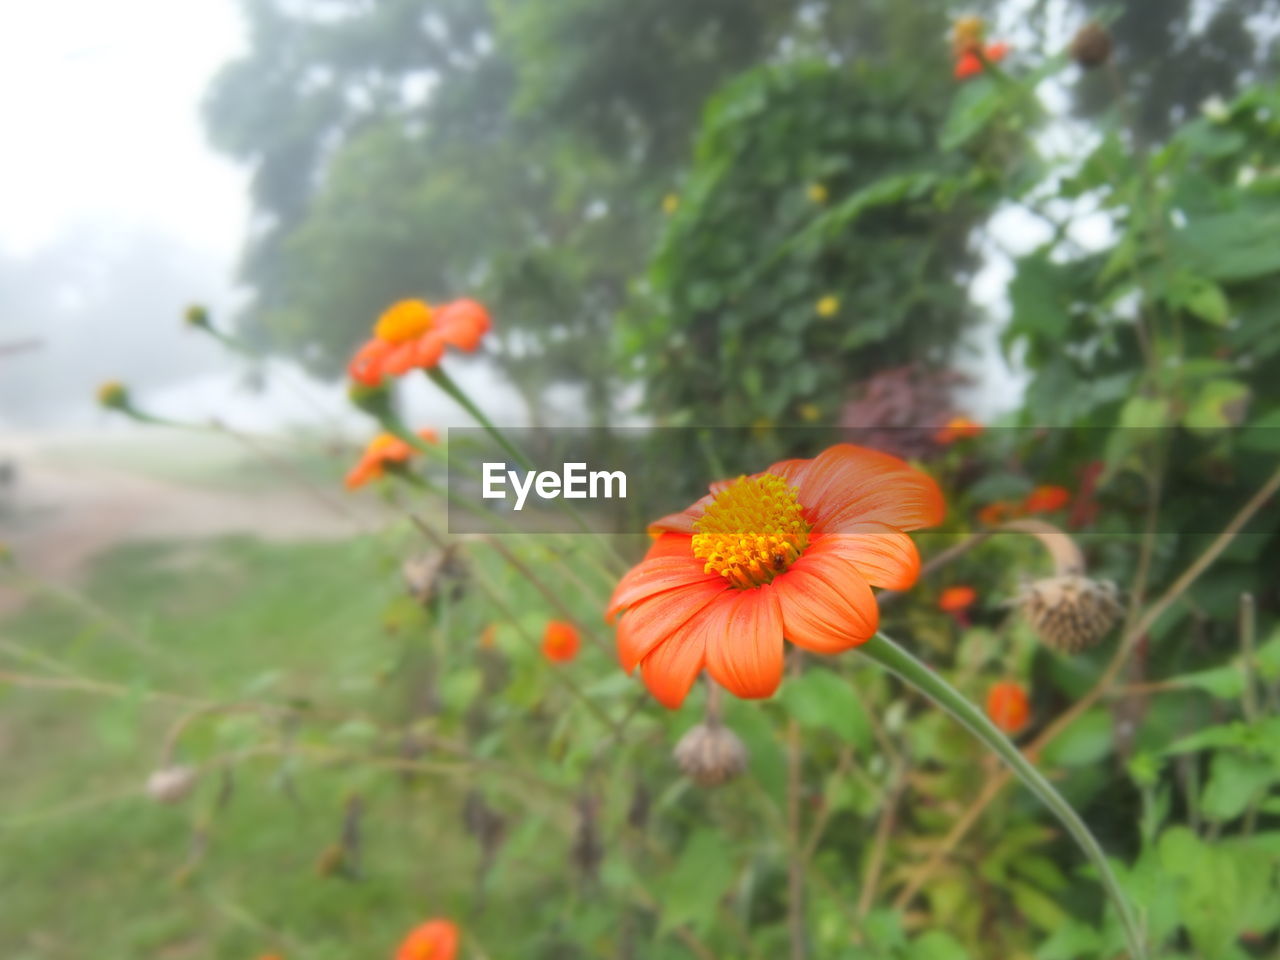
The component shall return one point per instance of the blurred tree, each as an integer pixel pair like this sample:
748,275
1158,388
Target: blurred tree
519,151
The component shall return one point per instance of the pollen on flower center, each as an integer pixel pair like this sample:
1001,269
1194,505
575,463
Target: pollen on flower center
753,531
403,321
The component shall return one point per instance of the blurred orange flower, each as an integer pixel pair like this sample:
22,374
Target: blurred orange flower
489,637
383,450
957,599
1008,707
433,940
957,428
792,552
1046,499
411,335
972,62
994,514
560,641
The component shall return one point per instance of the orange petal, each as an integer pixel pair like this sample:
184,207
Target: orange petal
682,522
744,651
827,606
672,666
400,358
846,486
652,621
463,323
428,349
658,576
884,557
967,66
366,365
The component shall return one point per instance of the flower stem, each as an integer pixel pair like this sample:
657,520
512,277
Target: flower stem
898,661
445,383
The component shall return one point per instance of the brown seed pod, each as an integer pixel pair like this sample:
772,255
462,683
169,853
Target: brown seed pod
1091,46
1070,612
711,754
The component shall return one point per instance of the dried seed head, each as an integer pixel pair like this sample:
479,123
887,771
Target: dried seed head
711,754
1091,46
171,784
1070,612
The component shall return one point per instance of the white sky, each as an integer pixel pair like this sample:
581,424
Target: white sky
99,108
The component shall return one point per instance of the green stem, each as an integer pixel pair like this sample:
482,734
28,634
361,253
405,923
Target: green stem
445,383
898,661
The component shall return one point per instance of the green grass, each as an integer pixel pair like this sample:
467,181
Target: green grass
89,867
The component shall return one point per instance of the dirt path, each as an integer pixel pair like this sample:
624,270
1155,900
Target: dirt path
59,511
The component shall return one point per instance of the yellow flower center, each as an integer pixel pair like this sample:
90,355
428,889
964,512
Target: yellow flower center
753,531
403,321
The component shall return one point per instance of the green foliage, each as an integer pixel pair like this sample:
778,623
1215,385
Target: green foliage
810,181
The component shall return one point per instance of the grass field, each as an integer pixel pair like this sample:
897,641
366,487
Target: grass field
90,867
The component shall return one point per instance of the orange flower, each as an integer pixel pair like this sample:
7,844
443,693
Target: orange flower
560,642
792,552
382,451
957,599
957,428
489,637
994,514
1046,499
411,335
1008,707
972,63
433,940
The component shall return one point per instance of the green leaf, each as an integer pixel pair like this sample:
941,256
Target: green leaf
1086,741
1239,245
974,107
937,945
1198,296
1225,683
691,890
821,700
1218,404
1235,779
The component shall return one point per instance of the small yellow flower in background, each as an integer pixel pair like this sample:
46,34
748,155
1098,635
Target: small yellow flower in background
113,395
817,193
670,204
810,412
761,427
196,316
828,306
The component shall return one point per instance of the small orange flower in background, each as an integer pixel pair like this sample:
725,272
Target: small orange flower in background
994,514
792,553
1046,499
957,599
560,641
957,428
1008,707
968,47
433,940
412,335
383,451
489,637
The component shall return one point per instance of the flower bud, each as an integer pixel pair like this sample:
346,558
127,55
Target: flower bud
711,754
1070,612
375,401
113,395
196,316
1091,46
171,784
